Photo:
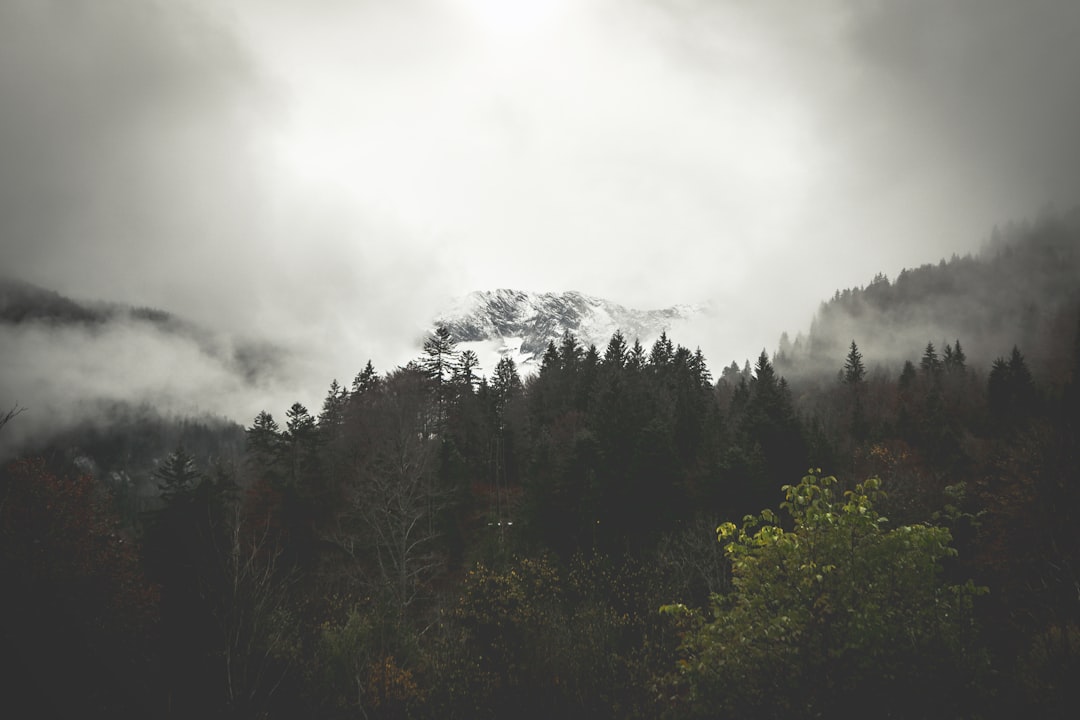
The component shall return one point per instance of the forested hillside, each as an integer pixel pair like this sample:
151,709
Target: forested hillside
620,535
1022,288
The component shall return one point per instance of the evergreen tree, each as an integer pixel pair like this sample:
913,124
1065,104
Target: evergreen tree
506,382
954,360
570,353
177,476
440,355
1011,390
907,375
854,370
700,369
615,354
550,362
299,424
635,359
464,373
930,363
366,379
662,351
333,409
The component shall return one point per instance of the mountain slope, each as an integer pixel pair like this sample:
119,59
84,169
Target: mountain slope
73,363
521,324
1022,288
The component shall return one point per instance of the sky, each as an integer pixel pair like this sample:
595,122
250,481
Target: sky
328,173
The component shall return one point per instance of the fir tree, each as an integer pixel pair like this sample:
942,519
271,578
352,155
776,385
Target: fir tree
440,354
366,379
930,363
465,371
177,476
635,359
615,354
662,351
854,370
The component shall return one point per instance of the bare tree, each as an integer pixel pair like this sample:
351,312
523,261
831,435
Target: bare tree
10,414
388,524
257,633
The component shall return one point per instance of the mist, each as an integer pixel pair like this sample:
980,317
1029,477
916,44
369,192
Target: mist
325,176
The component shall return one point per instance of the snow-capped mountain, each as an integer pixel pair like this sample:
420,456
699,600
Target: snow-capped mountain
520,324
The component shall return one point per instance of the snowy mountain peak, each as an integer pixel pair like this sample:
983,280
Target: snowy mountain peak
520,324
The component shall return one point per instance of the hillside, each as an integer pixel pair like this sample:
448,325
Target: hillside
1023,288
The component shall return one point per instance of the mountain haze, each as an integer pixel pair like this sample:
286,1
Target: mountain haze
1022,288
72,362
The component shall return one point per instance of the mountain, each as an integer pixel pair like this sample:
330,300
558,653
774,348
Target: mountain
1022,288
24,305
76,364
520,324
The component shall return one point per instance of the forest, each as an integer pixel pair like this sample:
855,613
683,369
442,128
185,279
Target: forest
835,530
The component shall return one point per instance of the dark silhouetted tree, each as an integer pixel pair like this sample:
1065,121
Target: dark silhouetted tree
854,370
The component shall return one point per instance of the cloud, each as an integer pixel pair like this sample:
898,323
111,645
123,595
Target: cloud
326,173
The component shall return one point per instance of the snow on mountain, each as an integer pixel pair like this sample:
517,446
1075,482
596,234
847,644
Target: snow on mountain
520,324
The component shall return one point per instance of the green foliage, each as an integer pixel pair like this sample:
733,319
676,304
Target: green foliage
836,614
538,640
356,668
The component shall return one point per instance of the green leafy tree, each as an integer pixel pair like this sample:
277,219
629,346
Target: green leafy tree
837,615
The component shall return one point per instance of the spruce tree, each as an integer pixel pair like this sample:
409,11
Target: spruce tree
662,351
464,372
615,354
854,370
366,379
930,363
440,354
177,476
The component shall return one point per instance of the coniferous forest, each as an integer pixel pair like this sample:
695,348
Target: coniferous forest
622,534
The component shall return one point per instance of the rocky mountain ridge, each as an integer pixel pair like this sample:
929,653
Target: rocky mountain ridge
521,323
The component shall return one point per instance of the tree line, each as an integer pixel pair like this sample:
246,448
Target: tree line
589,540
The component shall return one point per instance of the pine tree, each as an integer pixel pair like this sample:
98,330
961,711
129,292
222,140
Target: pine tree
907,375
465,371
264,436
1011,389
440,355
177,476
506,384
764,374
930,364
615,354
955,360
550,362
366,379
701,369
854,370
959,358
570,352
635,359
662,351
333,409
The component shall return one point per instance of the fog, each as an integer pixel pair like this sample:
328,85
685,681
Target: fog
325,175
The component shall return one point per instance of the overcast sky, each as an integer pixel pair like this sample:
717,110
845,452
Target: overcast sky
326,172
